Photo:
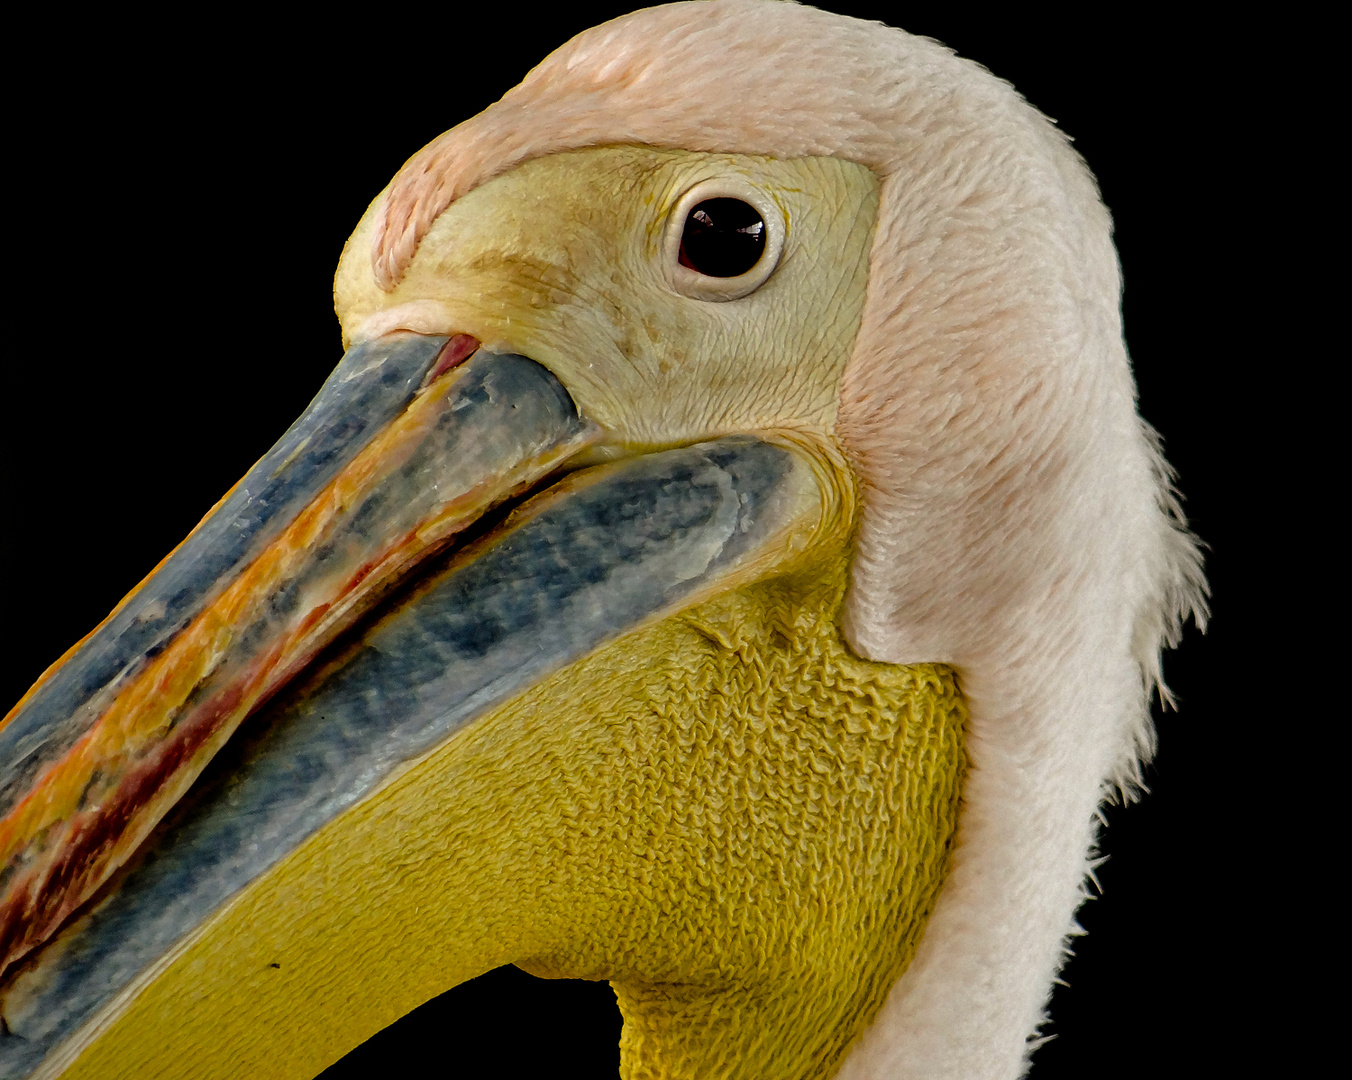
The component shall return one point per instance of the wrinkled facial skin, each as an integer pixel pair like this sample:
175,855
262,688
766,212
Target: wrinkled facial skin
562,260
725,812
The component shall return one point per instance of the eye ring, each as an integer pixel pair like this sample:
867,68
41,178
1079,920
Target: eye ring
697,286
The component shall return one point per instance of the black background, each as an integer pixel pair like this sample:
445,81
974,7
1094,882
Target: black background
183,192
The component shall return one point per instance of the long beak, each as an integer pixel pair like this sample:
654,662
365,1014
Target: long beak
404,449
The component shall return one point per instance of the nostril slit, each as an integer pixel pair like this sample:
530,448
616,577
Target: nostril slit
454,353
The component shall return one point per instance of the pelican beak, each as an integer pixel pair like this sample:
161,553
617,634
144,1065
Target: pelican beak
545,591
400,459
401,450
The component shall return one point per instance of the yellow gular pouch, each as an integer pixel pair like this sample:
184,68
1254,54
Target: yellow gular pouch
727,814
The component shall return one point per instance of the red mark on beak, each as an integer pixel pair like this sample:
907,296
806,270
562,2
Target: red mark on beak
454,353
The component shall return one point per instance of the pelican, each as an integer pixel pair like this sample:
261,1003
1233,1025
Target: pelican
726,562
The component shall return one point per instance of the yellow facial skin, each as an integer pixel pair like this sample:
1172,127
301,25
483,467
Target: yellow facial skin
561,260
727,814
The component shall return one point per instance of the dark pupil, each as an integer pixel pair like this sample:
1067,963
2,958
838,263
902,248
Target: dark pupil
722,238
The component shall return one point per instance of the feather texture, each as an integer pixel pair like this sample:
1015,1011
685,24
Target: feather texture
1018,521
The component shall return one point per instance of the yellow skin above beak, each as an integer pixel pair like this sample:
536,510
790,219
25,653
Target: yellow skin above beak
561,259
727,814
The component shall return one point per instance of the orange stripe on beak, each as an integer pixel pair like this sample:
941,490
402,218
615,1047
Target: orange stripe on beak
458,448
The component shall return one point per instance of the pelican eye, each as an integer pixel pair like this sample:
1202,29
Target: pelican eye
722,238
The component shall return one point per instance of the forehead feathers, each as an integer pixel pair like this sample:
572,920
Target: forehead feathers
724,76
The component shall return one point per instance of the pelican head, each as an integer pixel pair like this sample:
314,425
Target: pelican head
726,561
